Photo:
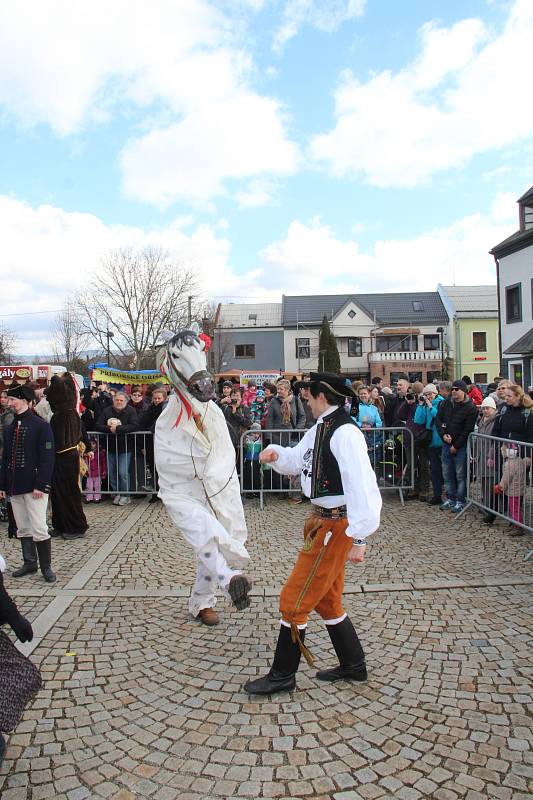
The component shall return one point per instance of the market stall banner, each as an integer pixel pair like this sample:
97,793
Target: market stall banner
259,377
110,375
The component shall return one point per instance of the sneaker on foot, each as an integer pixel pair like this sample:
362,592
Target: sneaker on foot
124,500
447,505
116,500
457,508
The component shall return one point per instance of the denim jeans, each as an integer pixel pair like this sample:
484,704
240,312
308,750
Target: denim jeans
454,469
435,469
119,467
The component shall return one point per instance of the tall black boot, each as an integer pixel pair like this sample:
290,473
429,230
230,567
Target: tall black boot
282,674
29,557
349,652
44,551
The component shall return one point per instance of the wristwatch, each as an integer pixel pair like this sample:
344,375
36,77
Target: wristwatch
359,542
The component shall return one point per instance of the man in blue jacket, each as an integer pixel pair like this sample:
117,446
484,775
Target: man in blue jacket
25,475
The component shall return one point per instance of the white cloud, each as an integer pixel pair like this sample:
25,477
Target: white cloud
182,67
237,138
48,253
324,15
463,95
312,259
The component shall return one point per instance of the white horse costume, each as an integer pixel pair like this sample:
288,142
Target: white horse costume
198,484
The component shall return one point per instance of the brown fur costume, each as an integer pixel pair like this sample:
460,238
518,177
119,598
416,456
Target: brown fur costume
68,517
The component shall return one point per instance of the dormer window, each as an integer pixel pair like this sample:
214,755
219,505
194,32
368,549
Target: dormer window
418,305
526,217
525,205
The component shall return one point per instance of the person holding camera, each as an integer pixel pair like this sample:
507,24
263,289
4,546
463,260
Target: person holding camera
429,445
238,417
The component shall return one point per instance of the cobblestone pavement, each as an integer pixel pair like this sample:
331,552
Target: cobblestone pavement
139,700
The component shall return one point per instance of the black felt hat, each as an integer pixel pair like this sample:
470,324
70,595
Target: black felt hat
22,392
335,383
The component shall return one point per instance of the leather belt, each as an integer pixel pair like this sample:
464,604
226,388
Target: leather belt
340,512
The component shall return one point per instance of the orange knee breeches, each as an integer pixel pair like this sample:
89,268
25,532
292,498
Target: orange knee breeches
317,579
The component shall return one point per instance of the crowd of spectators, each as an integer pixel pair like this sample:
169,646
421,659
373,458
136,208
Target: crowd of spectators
439,418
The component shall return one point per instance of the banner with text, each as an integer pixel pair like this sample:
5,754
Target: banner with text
259,377
110,375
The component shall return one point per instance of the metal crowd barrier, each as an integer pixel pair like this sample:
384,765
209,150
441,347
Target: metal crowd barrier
122,465
390,450
492,461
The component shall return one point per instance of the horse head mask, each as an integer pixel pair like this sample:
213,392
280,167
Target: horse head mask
185,364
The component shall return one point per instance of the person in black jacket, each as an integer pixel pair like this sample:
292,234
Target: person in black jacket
456,419
117,421
515,417
147,422
238,419
10,615
25,476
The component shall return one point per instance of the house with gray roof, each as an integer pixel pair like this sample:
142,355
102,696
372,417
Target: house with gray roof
377,334
474,330
514,271
247,337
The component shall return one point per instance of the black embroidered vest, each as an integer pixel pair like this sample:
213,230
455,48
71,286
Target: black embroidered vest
327,480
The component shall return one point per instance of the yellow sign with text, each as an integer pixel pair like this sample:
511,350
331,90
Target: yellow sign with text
110,375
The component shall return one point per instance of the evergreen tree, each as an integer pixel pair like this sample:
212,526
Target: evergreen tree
328,358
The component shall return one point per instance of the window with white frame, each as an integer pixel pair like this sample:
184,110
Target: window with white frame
355,346
245,351
431,341
303,348
479,341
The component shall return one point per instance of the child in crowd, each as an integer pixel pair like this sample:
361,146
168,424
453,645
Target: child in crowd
513,482
258,406
250,393
252,447
97,472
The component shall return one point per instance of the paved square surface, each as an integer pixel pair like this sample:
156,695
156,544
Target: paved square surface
139,700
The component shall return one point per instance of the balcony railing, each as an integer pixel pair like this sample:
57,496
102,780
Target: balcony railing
399,355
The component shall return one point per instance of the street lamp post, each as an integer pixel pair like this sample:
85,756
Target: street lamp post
440,331
109,335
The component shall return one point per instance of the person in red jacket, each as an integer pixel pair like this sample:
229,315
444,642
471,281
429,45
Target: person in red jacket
473,392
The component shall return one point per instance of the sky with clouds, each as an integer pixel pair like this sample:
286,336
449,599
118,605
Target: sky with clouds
276,146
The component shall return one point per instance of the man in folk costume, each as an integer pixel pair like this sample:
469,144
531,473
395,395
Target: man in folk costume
195,462
25,476
337,476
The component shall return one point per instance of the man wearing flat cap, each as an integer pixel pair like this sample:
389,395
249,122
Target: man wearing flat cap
337,476
25,475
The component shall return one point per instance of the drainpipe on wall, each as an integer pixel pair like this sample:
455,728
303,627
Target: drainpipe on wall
500,353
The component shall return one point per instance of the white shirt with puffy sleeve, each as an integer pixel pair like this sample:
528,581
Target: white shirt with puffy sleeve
361,496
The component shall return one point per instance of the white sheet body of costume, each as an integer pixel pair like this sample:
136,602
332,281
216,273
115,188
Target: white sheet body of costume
199,486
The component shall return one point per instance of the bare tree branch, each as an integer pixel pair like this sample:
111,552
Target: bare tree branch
8,339
136,295
69,339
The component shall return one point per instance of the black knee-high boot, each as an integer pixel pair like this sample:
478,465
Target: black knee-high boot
282,674
29,558
349,652
44,551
